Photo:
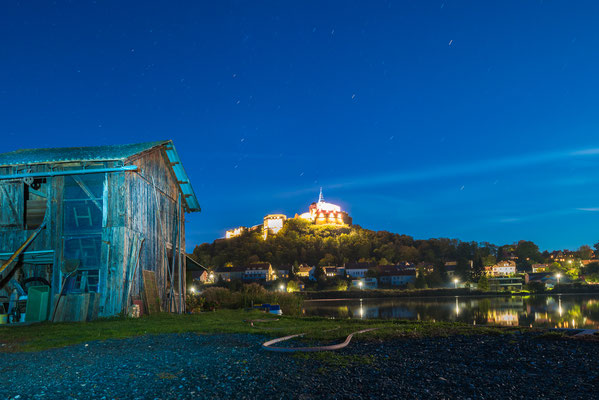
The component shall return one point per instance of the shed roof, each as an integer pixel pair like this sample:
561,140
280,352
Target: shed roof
70,154
104,153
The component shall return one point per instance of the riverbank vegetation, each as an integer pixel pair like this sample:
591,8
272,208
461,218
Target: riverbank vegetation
40,336
247,296
441,292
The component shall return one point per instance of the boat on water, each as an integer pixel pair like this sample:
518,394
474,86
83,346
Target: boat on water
270,308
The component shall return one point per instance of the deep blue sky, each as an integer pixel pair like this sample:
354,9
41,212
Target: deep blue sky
476,120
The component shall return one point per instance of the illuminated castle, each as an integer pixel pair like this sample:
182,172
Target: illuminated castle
319,213
323,213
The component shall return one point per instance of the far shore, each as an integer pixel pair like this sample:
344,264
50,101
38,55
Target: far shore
434,293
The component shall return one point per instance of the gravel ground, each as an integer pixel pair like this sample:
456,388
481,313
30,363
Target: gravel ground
234,367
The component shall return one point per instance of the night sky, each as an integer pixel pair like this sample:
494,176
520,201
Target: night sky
475,120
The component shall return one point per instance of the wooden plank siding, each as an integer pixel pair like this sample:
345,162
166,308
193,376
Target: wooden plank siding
140,204
137,207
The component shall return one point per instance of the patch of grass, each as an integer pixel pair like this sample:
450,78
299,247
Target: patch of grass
41,336
552,335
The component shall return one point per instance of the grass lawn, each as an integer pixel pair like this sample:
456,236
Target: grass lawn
46,335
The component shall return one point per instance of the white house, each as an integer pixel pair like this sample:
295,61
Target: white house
502,268
356,270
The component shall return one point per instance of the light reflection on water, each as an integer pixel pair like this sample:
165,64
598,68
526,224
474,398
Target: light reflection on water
554,311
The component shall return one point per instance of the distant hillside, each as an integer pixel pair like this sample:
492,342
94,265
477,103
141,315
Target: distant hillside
301,242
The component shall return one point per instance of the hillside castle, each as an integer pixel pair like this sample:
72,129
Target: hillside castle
319,213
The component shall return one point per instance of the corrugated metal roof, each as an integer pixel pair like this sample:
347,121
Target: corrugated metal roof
66,154
184,183
105,153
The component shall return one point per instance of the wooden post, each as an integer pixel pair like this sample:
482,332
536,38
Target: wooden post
180,308
174,259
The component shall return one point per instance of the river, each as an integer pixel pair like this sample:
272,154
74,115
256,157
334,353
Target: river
549,311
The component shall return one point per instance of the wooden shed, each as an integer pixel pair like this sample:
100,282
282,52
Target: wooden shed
91,223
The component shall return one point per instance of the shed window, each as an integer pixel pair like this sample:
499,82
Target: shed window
83,203
83,211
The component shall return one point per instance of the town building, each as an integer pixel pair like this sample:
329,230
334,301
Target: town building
195,270
502,268
540,268
319,213
235,232
304,271
228,274
397,278
364,283
501,282
323,213
261,271
273,223
549,279
283,272
356,270
95,225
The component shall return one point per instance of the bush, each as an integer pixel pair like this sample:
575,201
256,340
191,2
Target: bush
194,303
535,287
250,295
216,297
293,286
290,303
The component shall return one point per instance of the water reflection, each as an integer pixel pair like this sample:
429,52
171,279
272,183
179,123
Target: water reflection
561,311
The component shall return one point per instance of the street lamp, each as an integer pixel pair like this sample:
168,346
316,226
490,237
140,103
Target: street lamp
455,283
212,277
193,290
282,287
558,276
360,284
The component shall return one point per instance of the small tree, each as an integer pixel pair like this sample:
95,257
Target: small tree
420,282
585,252
483,283
341,285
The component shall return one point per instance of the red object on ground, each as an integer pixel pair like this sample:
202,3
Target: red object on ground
140,303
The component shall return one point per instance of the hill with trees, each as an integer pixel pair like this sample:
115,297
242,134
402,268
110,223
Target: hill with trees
300,242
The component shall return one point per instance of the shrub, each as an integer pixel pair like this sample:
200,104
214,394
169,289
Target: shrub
536,287
293,286
290,303
249,295
194,303
216,297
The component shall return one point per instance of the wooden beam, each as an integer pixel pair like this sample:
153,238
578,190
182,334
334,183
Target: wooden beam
22,247
11,205
87,191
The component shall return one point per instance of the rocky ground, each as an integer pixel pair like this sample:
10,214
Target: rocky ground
235,367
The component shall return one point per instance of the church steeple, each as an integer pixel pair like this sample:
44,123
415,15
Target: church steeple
321,197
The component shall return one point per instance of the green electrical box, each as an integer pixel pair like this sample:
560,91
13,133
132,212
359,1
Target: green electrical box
38,304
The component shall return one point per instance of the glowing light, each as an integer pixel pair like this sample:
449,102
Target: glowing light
282,287
193,290
455,283
457,307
